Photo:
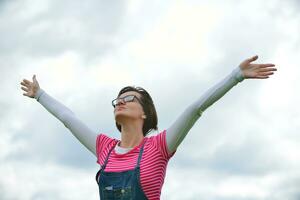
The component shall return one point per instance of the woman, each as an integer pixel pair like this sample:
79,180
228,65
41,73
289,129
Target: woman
135,166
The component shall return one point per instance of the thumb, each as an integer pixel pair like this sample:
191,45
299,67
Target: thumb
253,58
34,78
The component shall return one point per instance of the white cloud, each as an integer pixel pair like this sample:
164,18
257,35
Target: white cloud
245,146
47,181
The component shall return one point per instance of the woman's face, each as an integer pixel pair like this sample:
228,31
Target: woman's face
132,110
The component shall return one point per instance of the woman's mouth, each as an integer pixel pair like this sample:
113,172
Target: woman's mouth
120,108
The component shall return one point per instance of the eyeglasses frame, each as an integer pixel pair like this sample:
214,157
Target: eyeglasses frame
123,99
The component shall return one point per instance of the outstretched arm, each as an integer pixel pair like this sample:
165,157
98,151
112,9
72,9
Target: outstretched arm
179,129
85,135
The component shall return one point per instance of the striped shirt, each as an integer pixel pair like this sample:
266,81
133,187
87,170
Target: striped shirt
152,166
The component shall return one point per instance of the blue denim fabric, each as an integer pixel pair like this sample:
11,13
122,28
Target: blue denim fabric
120,185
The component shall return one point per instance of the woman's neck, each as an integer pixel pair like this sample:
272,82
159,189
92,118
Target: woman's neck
131,136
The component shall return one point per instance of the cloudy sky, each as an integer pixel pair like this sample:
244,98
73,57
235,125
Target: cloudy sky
246,146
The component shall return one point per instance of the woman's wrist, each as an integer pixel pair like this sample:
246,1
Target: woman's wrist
38,94
238,74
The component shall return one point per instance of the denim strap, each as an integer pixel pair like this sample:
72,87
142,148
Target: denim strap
140,154
106,160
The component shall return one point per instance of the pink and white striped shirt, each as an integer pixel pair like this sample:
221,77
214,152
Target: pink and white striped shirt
153,163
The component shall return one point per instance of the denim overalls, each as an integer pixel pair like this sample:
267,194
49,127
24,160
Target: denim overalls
121,185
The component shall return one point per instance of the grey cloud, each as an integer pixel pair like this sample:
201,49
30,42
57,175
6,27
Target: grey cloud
290,7
251,157
52,144
68,25
295,5
46,195
5,107
287,189
4,4
4,195
241,35
232,198
37,195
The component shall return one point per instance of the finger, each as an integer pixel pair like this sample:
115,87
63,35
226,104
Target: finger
266,65
26,81
22,83
261,77
265,73
34,78
25,89
267,69
25,94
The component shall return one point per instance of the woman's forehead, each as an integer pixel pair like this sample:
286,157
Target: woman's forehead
130,93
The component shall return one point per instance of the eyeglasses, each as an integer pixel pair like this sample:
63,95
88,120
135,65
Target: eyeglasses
128,98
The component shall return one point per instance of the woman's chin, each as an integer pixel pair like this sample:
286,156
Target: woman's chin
119,116
123,116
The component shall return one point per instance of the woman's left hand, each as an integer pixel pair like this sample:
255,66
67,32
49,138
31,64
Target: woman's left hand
256,71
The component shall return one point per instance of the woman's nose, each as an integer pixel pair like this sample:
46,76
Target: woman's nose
120,101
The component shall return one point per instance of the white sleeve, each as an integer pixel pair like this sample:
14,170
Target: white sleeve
86,136
179,129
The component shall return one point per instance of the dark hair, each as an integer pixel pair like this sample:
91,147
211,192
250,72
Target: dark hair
150,123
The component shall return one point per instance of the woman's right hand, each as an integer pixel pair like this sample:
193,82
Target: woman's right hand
30,88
